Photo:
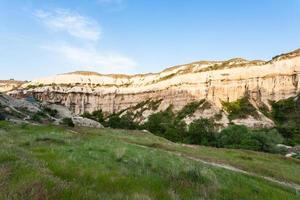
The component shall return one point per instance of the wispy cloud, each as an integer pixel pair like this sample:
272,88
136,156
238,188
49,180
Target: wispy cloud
90,57
73,23
87,54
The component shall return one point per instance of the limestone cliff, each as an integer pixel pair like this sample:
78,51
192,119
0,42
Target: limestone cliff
8,85
215,81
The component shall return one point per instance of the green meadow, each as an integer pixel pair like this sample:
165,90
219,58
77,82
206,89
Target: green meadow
51,162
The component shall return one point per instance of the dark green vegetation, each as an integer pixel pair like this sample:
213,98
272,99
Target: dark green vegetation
170,125
240,108
44,115
286,114
2,117
96,115
67,122
48,162
241,137
189,109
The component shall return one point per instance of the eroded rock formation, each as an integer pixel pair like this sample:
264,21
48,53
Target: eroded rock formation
215,81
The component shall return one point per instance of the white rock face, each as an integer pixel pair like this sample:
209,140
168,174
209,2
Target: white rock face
62,111
19,103
214,81
250,121
8,85
80,121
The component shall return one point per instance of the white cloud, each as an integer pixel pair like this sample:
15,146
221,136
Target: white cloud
90,57
74,24
85,56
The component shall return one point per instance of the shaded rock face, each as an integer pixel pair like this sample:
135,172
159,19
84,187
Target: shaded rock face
215,81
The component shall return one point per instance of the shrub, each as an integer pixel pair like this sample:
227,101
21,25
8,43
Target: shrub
188,109
114,121
266,140
68,122
127,121
202,131
51,112
166,125
234,136
96,115
39,116
2,117
159,122
239,136
286,114
240,108
176,132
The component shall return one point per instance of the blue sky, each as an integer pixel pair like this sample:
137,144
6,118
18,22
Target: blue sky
42,38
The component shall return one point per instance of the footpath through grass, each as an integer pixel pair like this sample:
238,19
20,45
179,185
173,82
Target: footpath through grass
48,162
264,164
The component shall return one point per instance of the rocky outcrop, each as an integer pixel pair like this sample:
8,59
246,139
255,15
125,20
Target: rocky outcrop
215,81
85,122
8,85
250,121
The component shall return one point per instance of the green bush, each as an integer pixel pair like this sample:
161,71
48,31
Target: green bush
68,122
51,112
239,136
95,115
189,109
164,124
202,131
266,140
286,114
234,136
159,122
127,121
240,108
114,121
39,116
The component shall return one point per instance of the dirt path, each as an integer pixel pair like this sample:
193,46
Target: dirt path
223,166
229,167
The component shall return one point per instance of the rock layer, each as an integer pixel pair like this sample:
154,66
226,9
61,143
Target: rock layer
215,81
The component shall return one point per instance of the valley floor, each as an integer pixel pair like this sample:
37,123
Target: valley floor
51,162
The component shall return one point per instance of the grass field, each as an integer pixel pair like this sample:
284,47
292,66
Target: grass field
49,162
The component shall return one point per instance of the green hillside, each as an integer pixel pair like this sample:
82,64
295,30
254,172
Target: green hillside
50,162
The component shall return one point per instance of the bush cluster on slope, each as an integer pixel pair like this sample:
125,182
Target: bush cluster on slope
240,137
201,131
95,115
240,108
124,122
286,114
189,109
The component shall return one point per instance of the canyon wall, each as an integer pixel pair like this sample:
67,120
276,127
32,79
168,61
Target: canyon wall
215,81
8,85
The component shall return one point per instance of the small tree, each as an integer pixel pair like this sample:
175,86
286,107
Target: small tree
96,115
266,140
233,136
127,121
158,123
114,121
202,131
